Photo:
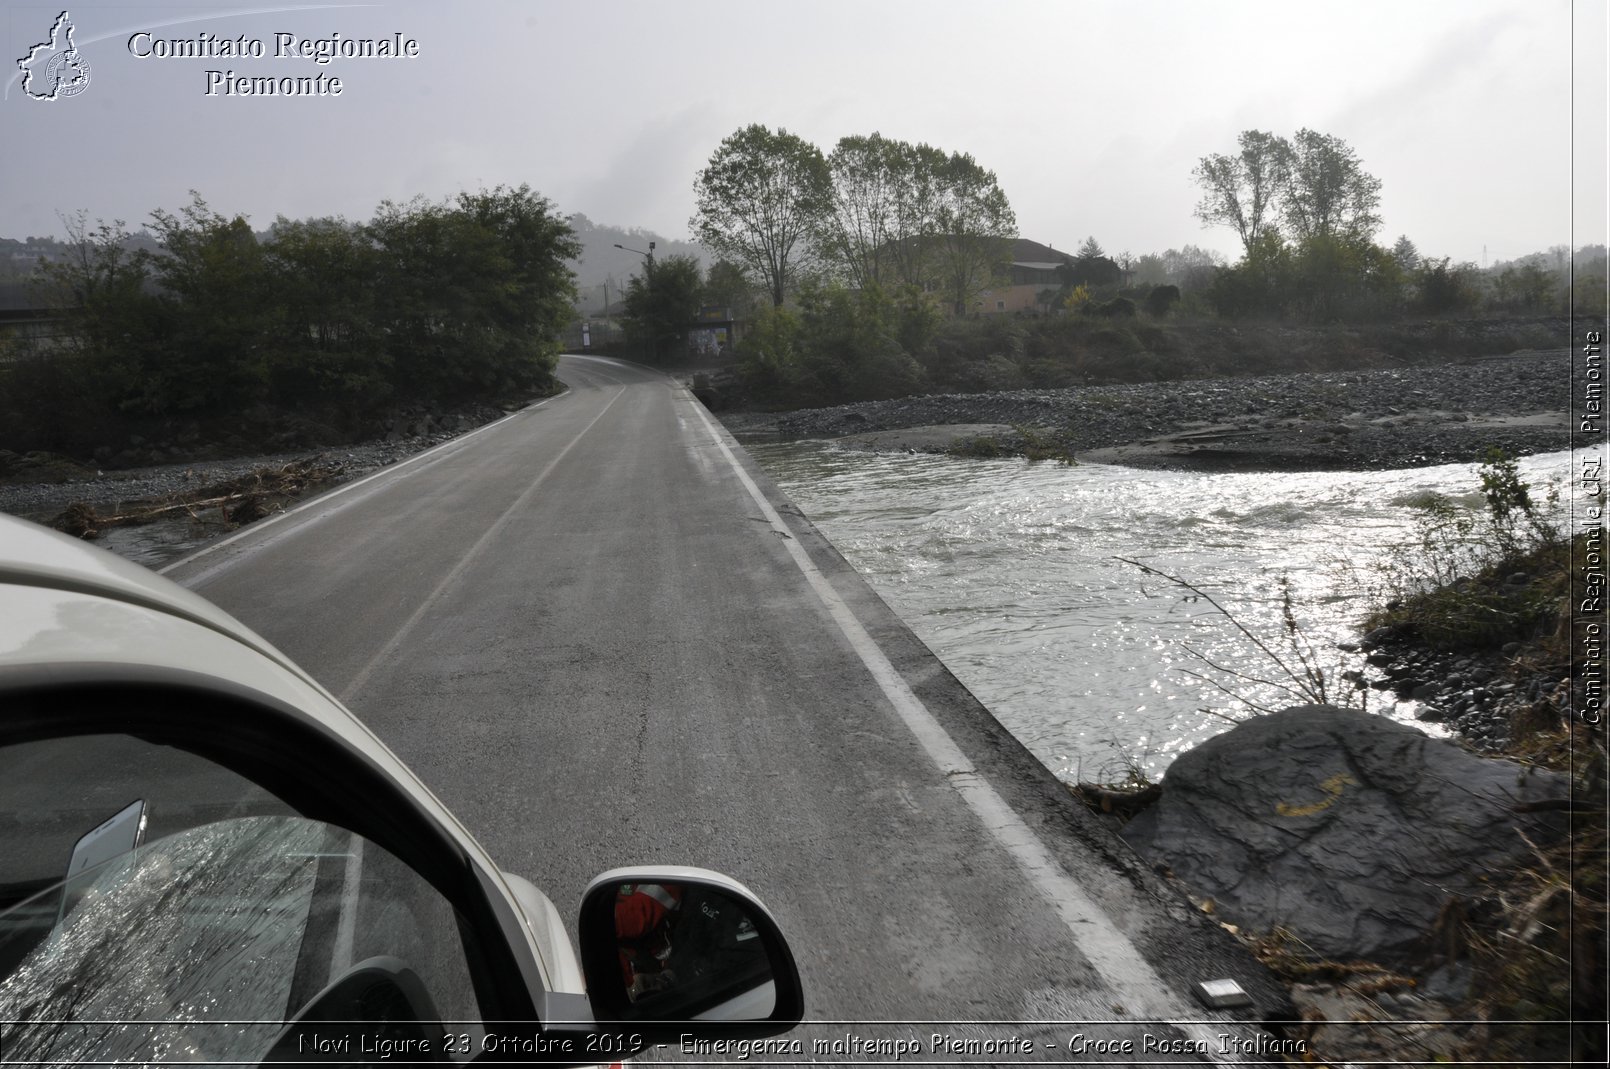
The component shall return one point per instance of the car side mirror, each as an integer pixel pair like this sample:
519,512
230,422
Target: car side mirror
674,952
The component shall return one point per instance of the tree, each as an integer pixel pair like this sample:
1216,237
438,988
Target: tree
472,294
759,200
100,281
1193,268
216,314
66,397
1091,267
529,289
1343,277
869,177
1151,269
326,345
1526,286
661,307
849,346
911,246
726,285
1241,191
1447,287
974,228
1406,255
1327,192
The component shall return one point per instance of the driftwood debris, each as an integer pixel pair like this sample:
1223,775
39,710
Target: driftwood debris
239,501
1125,802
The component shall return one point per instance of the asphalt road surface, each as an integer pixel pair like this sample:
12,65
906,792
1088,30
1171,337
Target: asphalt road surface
603,637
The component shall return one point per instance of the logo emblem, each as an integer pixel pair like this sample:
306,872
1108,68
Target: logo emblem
53,69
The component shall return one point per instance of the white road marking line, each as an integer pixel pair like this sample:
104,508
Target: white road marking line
1109,951
324,499
464,562
346,926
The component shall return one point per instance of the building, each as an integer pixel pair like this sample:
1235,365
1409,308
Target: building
1032,271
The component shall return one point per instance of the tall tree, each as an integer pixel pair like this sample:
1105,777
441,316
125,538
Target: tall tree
974,228
759,200
1406,255
911,247
1328,193
530,244
726,285
868,178
1242,191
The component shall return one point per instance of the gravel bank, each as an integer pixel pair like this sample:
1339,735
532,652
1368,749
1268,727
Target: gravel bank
106,491
1360,420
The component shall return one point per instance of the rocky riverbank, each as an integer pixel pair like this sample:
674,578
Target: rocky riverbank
1351,420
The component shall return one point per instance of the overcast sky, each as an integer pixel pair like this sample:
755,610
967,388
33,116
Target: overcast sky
1091,113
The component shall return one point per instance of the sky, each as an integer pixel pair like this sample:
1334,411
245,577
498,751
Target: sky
1484,120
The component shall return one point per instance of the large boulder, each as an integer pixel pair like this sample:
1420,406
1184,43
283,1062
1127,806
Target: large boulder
1347,829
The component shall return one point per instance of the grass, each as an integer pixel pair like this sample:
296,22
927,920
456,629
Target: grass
1028,442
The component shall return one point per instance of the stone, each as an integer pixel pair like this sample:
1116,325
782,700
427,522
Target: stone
1378,636
1348,829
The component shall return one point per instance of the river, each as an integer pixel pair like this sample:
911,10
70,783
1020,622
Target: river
1010,571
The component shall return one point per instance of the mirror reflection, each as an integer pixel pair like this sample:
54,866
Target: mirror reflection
689,951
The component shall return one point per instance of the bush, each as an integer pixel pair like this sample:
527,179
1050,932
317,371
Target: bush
1160,300
1453,586
1117,308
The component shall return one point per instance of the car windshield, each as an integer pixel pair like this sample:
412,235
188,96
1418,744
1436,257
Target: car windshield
201,936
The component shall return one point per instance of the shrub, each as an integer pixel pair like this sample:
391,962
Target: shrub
1454,585
1161,299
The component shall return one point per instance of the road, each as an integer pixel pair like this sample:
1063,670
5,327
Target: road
603,637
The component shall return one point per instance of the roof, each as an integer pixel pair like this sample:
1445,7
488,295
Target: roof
1032,253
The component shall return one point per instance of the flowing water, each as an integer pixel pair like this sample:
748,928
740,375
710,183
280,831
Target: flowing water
1010,571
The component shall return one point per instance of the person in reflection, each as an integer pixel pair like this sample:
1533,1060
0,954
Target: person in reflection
645,914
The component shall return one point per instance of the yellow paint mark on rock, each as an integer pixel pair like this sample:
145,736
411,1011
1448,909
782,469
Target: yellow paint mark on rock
1332,787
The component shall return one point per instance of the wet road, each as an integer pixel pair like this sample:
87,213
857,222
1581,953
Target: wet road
603,638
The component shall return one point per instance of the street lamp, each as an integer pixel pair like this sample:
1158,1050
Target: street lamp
649,279
640,252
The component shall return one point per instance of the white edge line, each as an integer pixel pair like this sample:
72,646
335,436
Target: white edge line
324,499
1112,954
